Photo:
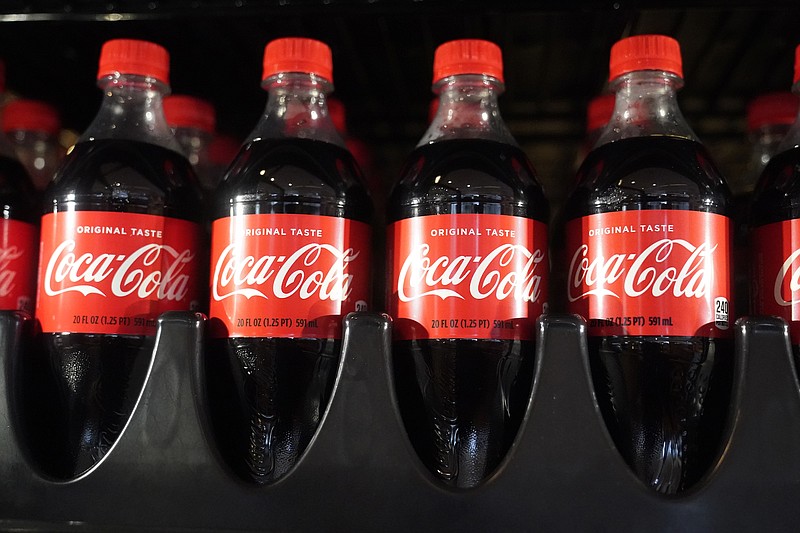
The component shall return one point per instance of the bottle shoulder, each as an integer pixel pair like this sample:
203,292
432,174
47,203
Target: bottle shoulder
17,195
777,194
293,176
125,175
468,176
653,172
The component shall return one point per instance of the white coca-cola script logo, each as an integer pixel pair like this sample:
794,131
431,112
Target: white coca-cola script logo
791,276
665,274
132,274
507,271
7,273
236,273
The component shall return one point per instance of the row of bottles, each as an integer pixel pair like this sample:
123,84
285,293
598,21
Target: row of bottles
644,245
34,128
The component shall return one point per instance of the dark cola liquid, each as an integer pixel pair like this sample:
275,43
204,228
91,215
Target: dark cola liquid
665,399
267,395
19,202
98,377
29,399
777,198
462,400
740,213
17,195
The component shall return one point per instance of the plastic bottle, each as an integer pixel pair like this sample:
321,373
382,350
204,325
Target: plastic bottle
290,258
468,270
648,251
769,117
32,127
121,244
598,113
356,146
194,120
775,223
221,152
19,230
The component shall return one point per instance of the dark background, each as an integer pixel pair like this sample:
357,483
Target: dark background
556,60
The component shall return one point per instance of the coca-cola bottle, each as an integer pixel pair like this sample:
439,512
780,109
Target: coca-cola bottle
289,259
598,113
468,267
19,253
357,147
32,127
120,244
775,227
221,151
19,233
194,120
648,241
769,117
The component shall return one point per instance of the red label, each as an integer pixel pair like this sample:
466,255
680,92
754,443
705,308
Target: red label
467,276
115,273
18,249
776,288
651,272
287,275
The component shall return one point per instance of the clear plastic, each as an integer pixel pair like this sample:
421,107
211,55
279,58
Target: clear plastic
195,143
664,397
39,152
127,161
132,109
463,399
776,199
792,137
297,109
765,142
646,105
268,393
468,109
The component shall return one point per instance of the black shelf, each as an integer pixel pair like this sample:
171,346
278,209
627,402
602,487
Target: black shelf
360,473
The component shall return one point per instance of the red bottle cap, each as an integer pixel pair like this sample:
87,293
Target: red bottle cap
222,149
31,115
337,114
468,56
772,109
132,56
599,111
294,54
189,112
796,64
645,52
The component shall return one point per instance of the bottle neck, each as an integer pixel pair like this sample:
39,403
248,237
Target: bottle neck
194,143
30,137
792,137
764,143
132,109
6,144
297,108
7,147
468,109
646,105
